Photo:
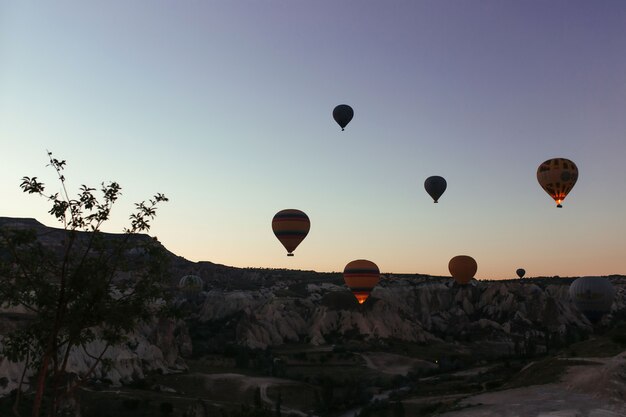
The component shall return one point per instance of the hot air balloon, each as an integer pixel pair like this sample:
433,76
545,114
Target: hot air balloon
435,186
593,296
290,227
557,177
342,115
190,285
361,277
463,268
521,272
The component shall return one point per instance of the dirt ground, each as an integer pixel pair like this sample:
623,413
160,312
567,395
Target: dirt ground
585,391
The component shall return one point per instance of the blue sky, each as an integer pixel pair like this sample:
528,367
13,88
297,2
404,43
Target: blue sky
225,106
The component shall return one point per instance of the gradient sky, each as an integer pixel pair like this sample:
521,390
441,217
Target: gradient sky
225,107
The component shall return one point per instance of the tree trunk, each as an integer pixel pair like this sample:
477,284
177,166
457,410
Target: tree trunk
41,385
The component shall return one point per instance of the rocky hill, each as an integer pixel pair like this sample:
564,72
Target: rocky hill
261,308
501,315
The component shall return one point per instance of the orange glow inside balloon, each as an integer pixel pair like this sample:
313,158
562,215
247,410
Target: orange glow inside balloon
361,297
557,177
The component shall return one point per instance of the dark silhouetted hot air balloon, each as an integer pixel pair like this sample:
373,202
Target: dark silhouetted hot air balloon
291,227
593,296
557,177
190,285
435,186
521,272
361,277
463,268
342,115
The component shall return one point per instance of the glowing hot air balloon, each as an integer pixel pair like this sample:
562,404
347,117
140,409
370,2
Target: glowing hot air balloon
435,186
291,227
361,277
463,268
593,296
521,272
342,115
557,177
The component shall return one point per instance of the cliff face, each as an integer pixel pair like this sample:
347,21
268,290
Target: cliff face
420,310
154,346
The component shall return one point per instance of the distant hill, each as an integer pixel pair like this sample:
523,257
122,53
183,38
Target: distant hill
267,307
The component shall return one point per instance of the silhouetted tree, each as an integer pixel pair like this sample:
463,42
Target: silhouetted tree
531,346
82,286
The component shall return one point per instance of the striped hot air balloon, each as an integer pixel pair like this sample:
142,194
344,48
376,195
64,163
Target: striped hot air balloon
291,227
361,276
463,268
557,177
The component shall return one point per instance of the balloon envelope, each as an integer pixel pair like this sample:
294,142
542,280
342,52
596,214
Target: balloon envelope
557,177
190,285
520,272
342,115
361,276
435,186
463,268
291,227
593,296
